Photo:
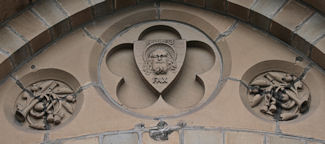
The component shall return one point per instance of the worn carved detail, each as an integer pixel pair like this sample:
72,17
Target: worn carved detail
161,131
279,96
160,61
45,104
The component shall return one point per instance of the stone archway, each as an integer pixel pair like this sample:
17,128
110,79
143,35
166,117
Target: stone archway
236,51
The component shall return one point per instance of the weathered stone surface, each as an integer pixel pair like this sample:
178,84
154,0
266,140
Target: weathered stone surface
314,142
319,5
78,10
203,137
318,53
301,44
28,25
102,7
268,8
123,4
173,138
288,19
128,138
255,47
313,28
199,3
5,65
74,6
40,41
240,8
95,116
206,21
8,8
292,14
93,140
282,140
263,11
32,29
243,138
217,5
10,42
50,12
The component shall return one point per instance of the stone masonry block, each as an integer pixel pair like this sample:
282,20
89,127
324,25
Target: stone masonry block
28,25
79,11
244,138
102,8
203,137
288,19
318,4
282,140
318,53
50,11
240,8
93,140
313,28
268,7
5,66
217,5
119,4
199,3
263,11
131,138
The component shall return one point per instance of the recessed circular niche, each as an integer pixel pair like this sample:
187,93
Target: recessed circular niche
160,69
49,99
276,91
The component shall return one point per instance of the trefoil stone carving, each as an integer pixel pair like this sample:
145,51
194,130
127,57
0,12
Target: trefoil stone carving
45,104
279,95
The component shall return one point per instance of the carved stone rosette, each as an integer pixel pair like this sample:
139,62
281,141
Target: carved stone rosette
45,104
279,96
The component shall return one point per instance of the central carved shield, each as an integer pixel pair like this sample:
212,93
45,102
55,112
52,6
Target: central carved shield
159,61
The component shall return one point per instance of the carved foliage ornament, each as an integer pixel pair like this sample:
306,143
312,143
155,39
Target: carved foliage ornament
279,96
45,104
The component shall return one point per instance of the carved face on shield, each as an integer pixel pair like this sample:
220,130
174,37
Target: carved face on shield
159,60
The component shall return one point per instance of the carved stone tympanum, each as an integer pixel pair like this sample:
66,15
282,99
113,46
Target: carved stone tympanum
279,95
160,61
45,104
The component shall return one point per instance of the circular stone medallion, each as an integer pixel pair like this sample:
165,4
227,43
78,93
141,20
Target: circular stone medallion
45,104
278,95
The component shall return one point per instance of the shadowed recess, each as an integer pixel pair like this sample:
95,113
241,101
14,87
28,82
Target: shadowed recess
159,32
132,91
187,90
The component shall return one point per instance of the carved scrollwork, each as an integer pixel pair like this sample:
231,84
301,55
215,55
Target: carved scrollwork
279,95
45,104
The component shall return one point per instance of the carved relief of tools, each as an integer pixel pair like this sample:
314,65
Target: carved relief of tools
41,104
279,93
